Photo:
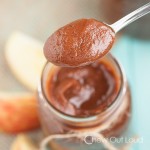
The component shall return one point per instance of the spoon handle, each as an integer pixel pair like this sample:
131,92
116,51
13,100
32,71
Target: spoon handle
117,26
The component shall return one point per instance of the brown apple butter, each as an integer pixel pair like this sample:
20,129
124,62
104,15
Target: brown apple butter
79,43
83,91
93,95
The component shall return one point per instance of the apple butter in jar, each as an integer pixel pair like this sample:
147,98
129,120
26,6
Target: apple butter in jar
88,99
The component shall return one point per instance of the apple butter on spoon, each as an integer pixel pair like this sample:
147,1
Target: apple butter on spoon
79,43
84,41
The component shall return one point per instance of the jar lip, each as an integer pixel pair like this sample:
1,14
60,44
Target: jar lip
121,92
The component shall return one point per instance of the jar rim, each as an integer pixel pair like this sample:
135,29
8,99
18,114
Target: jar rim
120,93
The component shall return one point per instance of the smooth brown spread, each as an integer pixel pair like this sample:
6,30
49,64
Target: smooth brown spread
83,91
79,43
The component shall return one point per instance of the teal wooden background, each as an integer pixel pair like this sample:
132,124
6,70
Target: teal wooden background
134,55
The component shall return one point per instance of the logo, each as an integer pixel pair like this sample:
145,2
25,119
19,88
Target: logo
89,139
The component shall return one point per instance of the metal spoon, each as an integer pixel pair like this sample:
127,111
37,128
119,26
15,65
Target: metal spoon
84,41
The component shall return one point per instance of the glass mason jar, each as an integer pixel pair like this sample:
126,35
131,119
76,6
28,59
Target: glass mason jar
113,10
112,122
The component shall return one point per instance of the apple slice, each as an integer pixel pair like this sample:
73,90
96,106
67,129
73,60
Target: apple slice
18,112
22,142
25,58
